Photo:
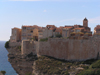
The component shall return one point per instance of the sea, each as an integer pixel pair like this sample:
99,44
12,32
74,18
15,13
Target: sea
4,64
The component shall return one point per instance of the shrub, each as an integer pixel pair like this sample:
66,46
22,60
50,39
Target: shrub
95,64
45,39
97,72
7,44
66,73
28,73
90,72
90,61
51,37
85,67
87,72
58,35
3,72
19,47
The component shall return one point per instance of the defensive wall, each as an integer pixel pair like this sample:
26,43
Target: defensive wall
28,47
68,49
71,49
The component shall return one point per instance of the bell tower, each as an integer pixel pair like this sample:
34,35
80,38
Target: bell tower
85,22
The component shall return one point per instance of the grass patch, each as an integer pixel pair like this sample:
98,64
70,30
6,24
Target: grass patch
90,72
95,64
49,65
45,39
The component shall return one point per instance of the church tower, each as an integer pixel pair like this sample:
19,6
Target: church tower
85,22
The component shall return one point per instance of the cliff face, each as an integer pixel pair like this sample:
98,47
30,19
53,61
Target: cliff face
21,64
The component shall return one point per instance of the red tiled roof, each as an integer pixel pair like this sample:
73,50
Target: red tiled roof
27,26
58,30
68,27
15,28
97,27
34,26
50,26
78,28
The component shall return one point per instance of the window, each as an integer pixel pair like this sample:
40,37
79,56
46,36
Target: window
31,31
29,34
77,30
24,27
24,34
29,28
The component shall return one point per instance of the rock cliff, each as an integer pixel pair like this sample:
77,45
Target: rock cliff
21,64
31,65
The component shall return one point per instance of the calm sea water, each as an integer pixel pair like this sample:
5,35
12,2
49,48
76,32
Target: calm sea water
4,64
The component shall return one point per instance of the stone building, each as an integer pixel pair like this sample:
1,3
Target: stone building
29,32
67,31
84,28
15,35
76,29
40,34
97,30
47,32
51,26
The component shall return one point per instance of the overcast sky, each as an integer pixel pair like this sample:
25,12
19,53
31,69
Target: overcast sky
15,13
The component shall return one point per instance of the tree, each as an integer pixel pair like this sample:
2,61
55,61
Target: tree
7,44
58,35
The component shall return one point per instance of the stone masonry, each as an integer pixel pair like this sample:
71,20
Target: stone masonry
68,49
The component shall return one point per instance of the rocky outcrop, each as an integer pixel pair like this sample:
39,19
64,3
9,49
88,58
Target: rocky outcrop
21,64
1,73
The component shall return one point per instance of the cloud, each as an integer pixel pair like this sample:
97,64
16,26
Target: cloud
45,11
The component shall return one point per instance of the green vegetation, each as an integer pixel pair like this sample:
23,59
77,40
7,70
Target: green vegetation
58,35
7,44
90,61
19,47
45,39
51,66
3,72
95,64
51,37
94,69
90,72
29,73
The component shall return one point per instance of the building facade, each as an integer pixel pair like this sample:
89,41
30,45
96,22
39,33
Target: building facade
97,30
15,35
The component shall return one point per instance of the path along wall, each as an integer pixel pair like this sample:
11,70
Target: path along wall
70,49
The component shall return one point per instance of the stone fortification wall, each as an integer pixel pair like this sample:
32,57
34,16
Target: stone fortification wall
13,44
70,49
28,47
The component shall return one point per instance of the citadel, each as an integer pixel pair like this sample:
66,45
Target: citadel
72,43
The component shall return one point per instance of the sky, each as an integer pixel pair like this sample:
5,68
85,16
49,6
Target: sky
15,13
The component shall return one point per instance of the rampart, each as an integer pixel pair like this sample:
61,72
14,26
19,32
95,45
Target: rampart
28,47
71,49
68,49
